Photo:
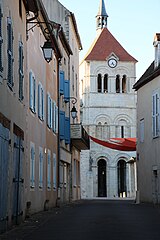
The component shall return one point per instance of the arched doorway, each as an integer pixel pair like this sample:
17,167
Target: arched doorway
102,191
122,188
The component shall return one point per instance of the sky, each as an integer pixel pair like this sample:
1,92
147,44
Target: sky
133,23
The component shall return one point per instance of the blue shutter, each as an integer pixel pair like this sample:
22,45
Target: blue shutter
67,130
31,91
1,41
62,125
61,76
66,90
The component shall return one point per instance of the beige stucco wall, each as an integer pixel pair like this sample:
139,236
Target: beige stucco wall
148,151
10,105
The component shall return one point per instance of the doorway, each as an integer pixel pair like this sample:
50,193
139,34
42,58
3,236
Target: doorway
102,191
122,188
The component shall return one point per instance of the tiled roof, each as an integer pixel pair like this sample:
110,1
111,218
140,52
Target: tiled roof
106,44
148,76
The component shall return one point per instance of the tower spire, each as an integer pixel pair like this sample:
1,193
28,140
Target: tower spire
101,16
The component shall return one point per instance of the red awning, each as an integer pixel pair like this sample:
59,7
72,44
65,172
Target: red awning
121,144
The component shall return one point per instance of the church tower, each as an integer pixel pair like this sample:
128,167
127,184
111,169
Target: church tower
108,107
101,18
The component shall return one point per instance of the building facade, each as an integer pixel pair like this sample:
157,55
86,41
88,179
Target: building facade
69,149
148,126
107,74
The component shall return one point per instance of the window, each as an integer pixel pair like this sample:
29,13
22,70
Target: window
124,84
1,43
62,125
32,165
99,83
40,167
122,131
155,114
49,113
32,92
21,75
49,169
142,130
99,130
66,90
10,52
61,82
117,84
54,171
40,102
67,130
105,83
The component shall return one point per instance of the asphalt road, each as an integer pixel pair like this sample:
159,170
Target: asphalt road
93,220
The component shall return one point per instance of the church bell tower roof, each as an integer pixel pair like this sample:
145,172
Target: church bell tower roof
101,16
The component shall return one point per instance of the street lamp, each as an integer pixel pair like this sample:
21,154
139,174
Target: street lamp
47,51
73,110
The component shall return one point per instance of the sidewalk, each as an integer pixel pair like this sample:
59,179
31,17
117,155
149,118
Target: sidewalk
32,223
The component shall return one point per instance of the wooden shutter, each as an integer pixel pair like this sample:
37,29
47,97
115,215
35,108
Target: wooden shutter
1,43
67,130
49,169
66,90
54,171
21,75
31,91
61,76
62,125
10,52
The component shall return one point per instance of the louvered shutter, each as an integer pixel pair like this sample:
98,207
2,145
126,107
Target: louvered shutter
21,76
67,130
61,76
62,125
66,90
1,43
10,52
31,90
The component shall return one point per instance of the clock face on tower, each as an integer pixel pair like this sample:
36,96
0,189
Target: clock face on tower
112,62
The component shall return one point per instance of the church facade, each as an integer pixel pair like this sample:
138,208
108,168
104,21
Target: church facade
108,110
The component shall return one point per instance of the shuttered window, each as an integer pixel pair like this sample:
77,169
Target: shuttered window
54,116
1,43
155,114
66,90
32,92
54,171
10,52
62,125
49,169
67,130
32,165
61,79
49,111
21,75
40,167
40,101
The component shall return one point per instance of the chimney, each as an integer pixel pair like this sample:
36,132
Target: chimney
156,44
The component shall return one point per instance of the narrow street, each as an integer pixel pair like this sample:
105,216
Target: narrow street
94,219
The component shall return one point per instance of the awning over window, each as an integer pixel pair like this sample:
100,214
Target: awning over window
121,144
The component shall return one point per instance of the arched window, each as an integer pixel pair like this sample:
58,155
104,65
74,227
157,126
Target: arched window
117,84
105,83
99,82
122,188
124,90
99,130
105,131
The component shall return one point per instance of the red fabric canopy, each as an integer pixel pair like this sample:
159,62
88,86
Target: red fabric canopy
122,144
